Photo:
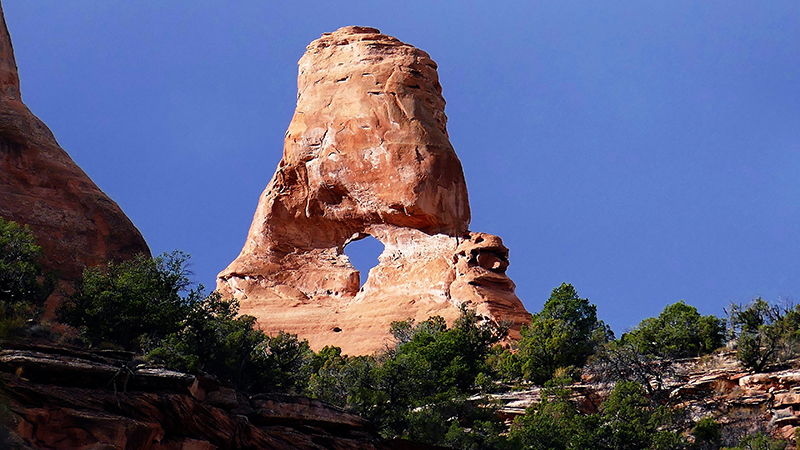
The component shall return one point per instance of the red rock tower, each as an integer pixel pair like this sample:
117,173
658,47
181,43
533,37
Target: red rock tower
76,224
367,153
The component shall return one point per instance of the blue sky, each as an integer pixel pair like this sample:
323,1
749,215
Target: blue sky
646,152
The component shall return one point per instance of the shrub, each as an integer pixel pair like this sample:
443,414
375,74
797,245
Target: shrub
215,339
445,359
341,380
628,419
131,303
432,365
678,332
764,333
759,441
707,434
646,354
553,424
281,363
419,389
22,295
147,305
623,360
565,333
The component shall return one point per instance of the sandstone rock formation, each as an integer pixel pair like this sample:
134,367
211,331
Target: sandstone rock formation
76,224
57,397
64,398
367,153
716,386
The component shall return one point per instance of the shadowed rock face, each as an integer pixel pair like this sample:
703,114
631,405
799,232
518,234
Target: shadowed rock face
76,224
367,153
63,398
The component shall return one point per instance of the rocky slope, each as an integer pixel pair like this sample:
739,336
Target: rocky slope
367,153
66,398
713,386
76,224
62,398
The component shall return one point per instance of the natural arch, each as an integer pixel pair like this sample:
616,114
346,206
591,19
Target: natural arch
363,254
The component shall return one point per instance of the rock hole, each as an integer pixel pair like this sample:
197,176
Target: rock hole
363,254
332,194
337,330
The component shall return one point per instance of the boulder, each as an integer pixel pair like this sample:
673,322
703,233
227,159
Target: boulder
367,153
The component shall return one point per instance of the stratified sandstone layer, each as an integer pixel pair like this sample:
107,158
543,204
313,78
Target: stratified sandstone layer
367,153
76,224
61,398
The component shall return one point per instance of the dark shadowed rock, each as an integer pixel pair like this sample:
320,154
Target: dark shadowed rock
61,398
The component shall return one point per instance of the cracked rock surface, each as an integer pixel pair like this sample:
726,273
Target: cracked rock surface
66,398
367,153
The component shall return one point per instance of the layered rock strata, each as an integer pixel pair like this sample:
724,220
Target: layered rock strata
76,224
367,153
64,398
717,386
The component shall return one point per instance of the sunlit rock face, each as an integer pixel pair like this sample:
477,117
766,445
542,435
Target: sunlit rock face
75,223
367,153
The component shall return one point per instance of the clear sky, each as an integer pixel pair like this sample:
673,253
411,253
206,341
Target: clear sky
646,152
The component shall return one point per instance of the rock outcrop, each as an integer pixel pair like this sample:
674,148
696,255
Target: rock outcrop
715,386
367,153
75,223
62,398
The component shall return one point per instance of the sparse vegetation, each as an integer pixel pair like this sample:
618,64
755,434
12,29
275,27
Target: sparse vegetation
627,420
764,333
759,441
646,353
430,386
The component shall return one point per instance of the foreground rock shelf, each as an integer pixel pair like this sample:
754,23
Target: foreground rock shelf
62,398
67,398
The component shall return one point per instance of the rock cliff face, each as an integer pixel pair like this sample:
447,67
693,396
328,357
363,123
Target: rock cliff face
55,397
76,224
367,153
62,398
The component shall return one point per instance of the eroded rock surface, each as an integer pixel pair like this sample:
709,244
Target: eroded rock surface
367,153
76,224
715,386
62,398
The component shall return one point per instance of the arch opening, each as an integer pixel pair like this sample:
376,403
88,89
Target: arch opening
363,254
